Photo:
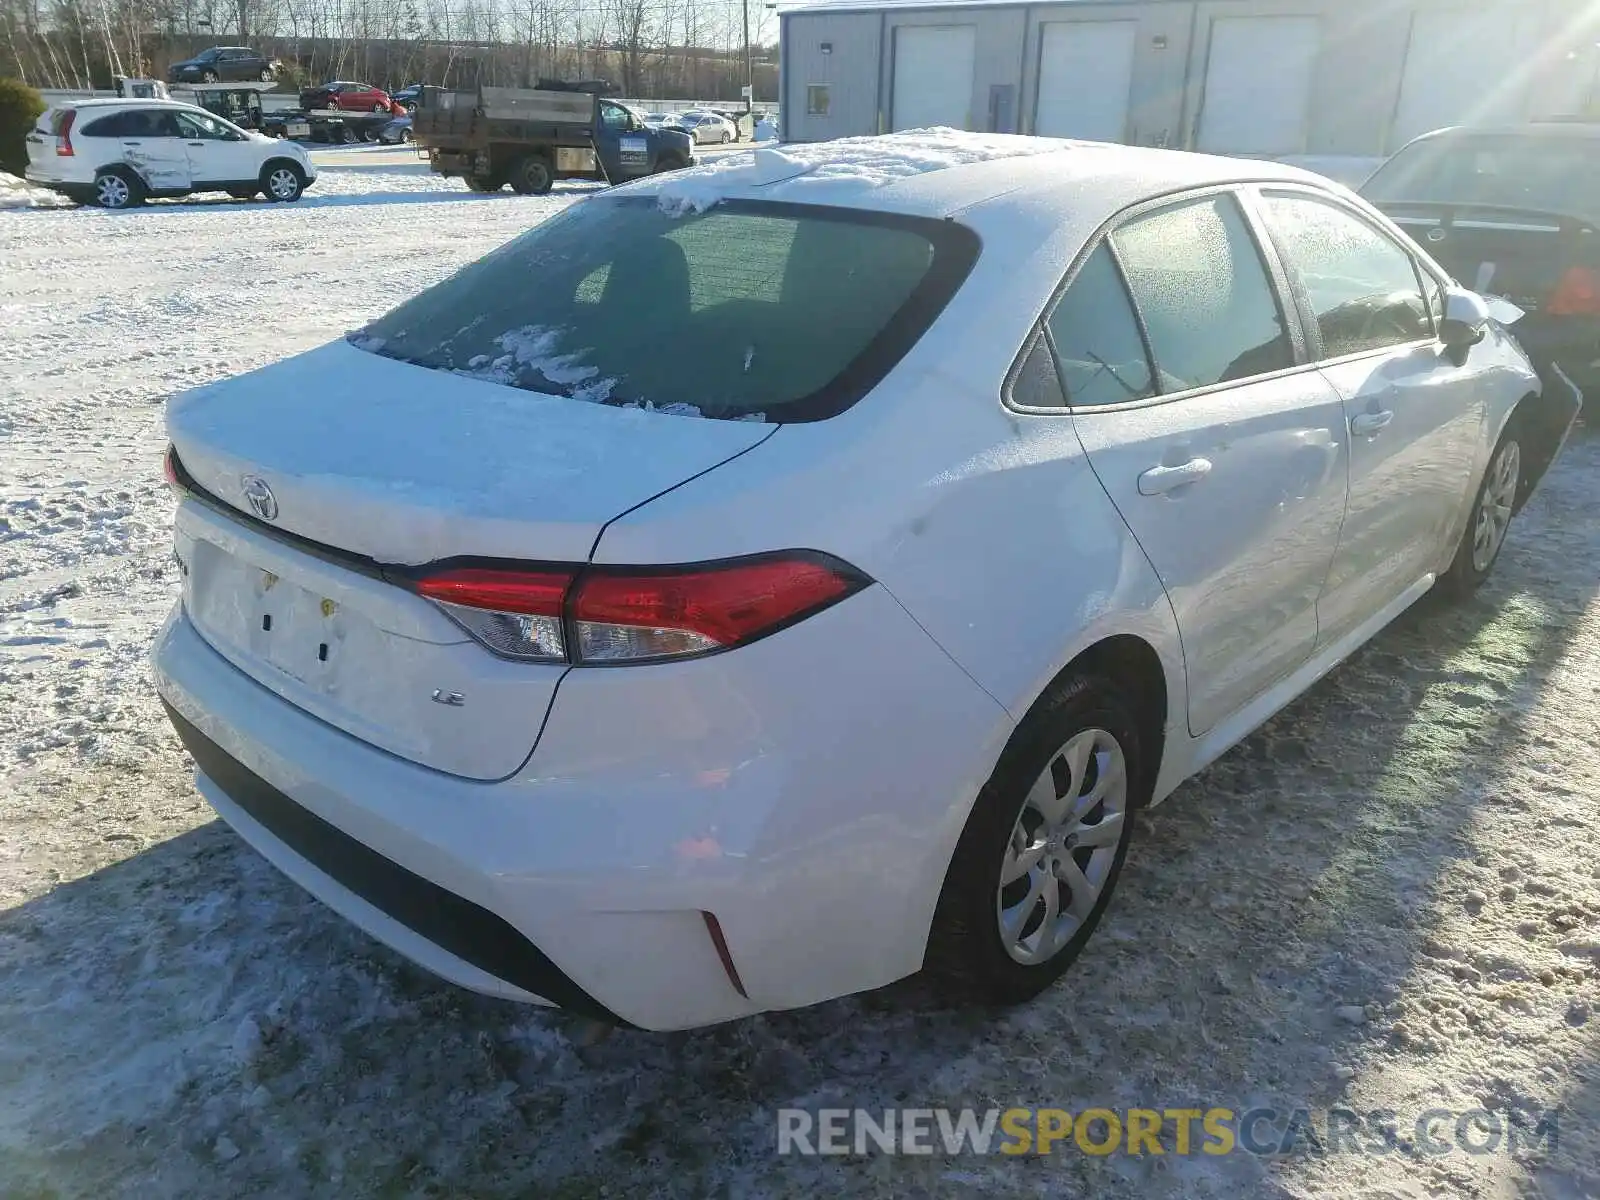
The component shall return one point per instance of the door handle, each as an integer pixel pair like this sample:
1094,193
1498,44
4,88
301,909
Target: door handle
197,144
133,143
1369,423
1158,481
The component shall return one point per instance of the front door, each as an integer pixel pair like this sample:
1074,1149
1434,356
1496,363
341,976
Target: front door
1227,460
216,153
624,148
1415,418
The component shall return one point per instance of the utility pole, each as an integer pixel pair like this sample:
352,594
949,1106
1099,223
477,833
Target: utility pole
749,63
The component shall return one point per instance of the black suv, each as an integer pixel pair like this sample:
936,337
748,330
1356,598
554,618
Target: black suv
221,63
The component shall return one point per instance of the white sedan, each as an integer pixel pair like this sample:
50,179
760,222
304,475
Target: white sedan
992,487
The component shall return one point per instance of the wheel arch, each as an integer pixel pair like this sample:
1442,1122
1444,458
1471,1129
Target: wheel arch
1136,667
283,160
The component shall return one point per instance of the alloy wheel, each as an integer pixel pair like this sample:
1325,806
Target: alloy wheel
112,191
283,183
1063,848
1495,505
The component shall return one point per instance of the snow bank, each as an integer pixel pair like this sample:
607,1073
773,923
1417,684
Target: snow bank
847,166
19,193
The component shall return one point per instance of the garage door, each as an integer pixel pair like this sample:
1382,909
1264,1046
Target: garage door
1085,77
933,76
1258,85
1462,68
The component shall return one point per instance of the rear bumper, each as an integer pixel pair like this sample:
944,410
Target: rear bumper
806,790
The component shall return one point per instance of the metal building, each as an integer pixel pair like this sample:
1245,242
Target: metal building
1265,77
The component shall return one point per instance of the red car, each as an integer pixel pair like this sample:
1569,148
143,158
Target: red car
347,97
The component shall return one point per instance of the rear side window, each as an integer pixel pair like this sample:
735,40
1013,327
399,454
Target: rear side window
748,310
1099,350
1554,174
1197,278
138,122
1362,287
113,126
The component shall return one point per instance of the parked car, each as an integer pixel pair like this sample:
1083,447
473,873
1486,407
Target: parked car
396,132
408,96
222,63
707,127
118,153
347,97
582,670
1513,210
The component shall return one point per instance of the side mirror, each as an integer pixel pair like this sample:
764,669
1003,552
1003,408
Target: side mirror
1466,323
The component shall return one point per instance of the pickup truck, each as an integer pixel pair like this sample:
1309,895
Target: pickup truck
531,137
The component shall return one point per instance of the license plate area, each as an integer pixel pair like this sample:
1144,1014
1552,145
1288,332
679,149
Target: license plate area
279,626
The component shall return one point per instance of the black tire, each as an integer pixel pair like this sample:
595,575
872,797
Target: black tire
380,108
347,135
670,162
726,137
967,957
407,137
532,176
117,189
266,74
1469,568
482,183
208,77
283,181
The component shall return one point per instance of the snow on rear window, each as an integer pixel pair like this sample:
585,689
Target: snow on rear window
750,311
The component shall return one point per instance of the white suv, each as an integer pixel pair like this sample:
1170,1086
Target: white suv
118,153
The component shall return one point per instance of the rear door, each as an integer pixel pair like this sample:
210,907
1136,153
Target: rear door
1415,419
153,144
1228,460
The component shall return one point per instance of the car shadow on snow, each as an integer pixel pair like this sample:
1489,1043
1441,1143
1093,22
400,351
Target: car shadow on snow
223,1029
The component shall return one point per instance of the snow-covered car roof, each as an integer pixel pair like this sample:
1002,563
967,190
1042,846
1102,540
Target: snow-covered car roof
939,172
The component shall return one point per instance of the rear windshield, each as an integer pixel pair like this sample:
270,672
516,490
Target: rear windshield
1551,174
746,311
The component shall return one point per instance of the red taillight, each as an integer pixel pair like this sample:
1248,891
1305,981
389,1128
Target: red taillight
624,615
1577,295
64,134
169,468
530,593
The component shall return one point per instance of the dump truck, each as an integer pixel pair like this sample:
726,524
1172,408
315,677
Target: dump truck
531,137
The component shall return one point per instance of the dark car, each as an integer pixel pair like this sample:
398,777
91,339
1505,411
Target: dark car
1512,211
347,97
408,96
233,63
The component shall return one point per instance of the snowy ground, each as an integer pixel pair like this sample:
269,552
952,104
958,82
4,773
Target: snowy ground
1417,837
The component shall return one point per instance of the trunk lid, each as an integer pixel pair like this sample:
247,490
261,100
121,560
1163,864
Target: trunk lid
368,462
41,143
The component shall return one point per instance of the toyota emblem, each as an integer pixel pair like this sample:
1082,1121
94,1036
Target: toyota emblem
260,498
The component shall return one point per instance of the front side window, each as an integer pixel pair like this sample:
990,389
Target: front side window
1099,351
1362,286
787,312
613,117
1209,307
193,125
